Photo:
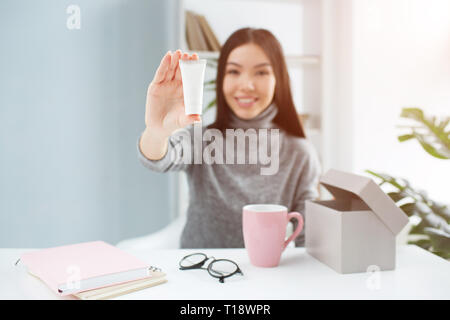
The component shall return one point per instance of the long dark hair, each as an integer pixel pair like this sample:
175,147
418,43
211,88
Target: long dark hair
286,118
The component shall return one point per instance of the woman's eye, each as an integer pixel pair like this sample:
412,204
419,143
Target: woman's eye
262,73
233,72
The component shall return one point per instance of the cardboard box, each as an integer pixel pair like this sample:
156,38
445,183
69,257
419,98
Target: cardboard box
355,230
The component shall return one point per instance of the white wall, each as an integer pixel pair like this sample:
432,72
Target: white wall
337,85
72,105
401,58
380,56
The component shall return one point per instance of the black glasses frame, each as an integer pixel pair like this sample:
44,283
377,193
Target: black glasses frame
210,270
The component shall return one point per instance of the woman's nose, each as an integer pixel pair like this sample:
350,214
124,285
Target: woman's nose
247,84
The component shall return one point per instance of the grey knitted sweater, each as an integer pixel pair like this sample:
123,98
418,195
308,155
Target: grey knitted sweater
217,192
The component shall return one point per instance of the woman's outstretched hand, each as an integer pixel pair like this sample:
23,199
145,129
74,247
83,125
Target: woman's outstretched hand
164,110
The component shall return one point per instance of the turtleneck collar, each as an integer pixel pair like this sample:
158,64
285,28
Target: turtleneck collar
264,120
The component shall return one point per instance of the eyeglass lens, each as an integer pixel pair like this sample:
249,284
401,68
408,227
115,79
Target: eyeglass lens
192,260
222,267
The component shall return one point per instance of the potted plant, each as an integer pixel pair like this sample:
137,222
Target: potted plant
430,219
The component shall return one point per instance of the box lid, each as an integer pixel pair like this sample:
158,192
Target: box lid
347,185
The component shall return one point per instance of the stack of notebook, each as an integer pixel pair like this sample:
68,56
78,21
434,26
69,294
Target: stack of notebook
91,270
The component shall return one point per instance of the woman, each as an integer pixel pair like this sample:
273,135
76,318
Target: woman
253,92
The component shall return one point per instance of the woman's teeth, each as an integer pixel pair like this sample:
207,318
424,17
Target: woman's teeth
246,102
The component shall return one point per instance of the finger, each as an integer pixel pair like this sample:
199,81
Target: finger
163,68
184,56
194,56
174,65
177,72
171,69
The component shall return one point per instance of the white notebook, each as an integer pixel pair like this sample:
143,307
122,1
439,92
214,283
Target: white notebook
156,278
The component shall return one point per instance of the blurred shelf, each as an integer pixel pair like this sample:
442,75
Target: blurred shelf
291,60
205,54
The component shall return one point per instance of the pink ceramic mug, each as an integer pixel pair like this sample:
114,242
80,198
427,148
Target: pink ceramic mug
264,228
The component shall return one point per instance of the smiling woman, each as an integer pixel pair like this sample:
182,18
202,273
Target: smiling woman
249,81
252,74
253,94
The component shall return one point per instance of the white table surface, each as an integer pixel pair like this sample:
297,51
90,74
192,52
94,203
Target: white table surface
418,275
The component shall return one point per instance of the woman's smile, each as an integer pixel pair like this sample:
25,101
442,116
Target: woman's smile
246,101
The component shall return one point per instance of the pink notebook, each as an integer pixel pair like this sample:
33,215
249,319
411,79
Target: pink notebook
84,266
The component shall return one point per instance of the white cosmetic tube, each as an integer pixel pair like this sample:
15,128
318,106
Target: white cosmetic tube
192,76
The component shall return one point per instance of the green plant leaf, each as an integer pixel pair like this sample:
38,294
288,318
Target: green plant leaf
445,255
440,239
423,209
210,105
434,221
409,208
210,82
419,229
430,149
397,196
423,243
441,210
413,113
433,216
405,137
444,124
386,179
430,132
378,175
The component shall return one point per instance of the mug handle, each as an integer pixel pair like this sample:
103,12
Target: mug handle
297,230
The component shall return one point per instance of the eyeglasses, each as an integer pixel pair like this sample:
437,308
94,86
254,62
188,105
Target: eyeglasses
217,268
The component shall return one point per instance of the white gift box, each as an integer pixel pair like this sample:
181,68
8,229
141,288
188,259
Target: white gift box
356,231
